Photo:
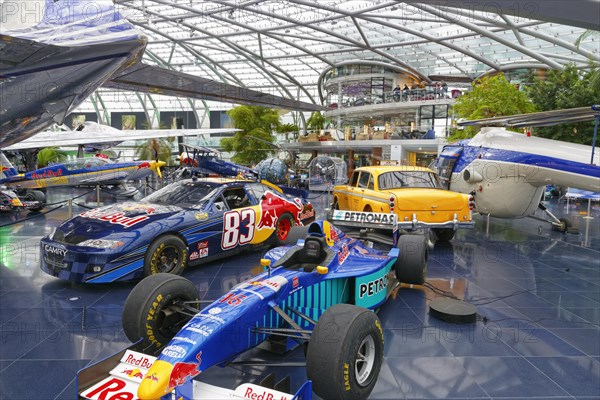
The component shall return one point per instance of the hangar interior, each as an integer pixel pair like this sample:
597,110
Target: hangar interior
537,291
536,336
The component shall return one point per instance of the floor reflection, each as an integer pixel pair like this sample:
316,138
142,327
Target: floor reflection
537,293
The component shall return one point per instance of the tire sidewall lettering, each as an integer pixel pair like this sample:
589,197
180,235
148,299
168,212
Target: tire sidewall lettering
350,358
155,255
154,259
346,376
151,315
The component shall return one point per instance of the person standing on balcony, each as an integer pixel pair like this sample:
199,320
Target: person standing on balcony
396,94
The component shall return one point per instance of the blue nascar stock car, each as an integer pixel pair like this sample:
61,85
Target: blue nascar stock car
184,223
318,292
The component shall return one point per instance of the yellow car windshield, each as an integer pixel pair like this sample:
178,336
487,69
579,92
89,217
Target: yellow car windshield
408,179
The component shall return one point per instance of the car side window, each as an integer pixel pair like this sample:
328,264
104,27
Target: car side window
371,184
363,181
236,197
219,205
354,179
257,191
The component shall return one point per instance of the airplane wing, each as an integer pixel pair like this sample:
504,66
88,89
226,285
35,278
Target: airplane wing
200,149
87,136
152,79
544,118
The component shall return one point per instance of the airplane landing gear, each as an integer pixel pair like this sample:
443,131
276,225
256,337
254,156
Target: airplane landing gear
562,224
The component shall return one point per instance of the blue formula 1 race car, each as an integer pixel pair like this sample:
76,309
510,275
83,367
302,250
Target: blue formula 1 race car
185,223
318,292
9,201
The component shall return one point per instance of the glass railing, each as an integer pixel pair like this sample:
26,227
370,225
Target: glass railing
410,95
408,132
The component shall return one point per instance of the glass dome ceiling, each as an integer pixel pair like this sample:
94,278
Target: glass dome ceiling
283,46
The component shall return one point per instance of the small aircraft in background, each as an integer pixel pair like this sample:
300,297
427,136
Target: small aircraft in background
92,170
201,160
51,66
198,160
507,172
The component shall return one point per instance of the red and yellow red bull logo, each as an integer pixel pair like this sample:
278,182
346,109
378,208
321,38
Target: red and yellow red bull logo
182,371
133,373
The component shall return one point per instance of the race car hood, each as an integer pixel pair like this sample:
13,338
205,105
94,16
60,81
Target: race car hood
114,219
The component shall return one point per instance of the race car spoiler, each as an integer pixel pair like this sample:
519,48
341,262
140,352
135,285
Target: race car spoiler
390,221
364,219
119,376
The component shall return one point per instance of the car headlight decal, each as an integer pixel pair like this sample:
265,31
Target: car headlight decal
101,243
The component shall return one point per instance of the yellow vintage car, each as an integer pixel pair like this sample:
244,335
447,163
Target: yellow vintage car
414,194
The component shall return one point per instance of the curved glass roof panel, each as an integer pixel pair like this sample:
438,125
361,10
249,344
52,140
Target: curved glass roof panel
282,47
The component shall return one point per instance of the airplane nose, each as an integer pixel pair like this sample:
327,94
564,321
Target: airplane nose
155,166
156,381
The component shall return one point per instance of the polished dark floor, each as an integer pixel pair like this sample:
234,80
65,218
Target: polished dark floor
537,294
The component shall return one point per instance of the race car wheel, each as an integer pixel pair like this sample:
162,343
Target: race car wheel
411,265
166,254
444,234
282,229
151,311
335,205
345,353
35,195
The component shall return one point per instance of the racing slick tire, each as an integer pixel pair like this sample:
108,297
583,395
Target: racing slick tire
148,312
35,195
345,353
444,234
284,225
411,265
167,254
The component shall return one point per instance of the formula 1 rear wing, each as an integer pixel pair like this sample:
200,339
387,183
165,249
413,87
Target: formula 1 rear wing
364,219
120,375
391,222
366,225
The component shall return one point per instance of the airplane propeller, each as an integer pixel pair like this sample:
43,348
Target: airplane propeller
155,166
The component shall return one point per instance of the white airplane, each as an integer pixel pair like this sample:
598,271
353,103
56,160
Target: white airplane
507,172
92,133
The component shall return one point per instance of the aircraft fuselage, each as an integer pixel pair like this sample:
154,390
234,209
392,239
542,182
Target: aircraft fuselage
37,94
507,172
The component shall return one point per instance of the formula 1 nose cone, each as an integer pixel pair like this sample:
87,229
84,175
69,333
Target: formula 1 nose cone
156,382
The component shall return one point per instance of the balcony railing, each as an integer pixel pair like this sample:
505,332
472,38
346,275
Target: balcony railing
397,97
